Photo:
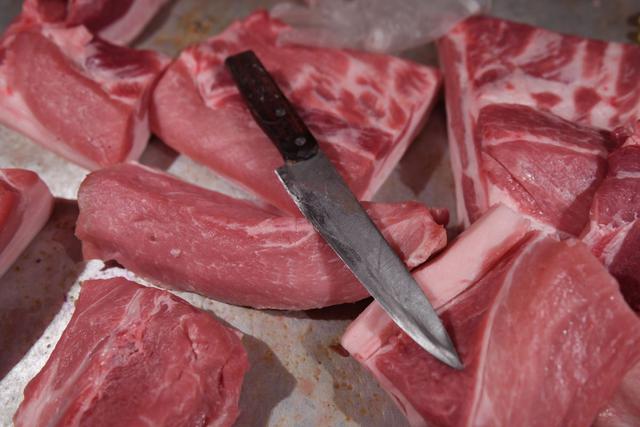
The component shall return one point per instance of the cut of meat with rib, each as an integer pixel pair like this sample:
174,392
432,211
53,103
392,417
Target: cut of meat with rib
116,21
79,96
133,355
490,61
540,165
469,257
363,108
25,206
568,314
613,233
188,238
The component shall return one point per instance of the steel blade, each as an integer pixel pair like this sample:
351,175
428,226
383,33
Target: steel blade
326,201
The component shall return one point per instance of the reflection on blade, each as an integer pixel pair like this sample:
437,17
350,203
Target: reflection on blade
329,205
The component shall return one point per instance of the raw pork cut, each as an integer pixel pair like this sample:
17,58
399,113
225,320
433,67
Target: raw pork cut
25,206
492,61
624,409
133,355
197,240
543,332
75,94
614,230
540,165
363,108
117,21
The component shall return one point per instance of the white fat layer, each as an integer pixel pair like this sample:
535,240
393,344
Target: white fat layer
127,27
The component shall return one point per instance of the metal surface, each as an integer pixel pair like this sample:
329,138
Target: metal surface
326,201
298,375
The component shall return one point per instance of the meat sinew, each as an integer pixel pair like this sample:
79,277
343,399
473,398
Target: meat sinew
543,332
363,108
25,206
538,79
117,21
75,94
197,240
133,355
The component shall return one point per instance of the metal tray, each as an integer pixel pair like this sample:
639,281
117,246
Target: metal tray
299,375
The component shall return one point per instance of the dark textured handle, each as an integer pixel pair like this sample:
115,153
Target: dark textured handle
270,108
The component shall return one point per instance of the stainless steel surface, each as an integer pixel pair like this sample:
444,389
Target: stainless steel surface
326,201
298,375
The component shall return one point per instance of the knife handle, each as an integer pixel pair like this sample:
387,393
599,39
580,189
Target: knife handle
270,108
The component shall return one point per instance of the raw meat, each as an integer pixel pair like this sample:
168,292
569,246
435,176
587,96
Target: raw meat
540,165
116,21
197,240
614,230
542,346
363,108
77,95
469,257
492,61
25,206
624,409
133,355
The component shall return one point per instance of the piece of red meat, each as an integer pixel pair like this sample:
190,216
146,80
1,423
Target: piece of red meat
25,206
363,108
540,165
75,94
188,238
613,233
490,61
116,21
543,332
133,355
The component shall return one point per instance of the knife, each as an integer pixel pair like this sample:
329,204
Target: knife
325,200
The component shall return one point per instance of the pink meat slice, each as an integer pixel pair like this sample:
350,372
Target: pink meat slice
188,238
116,21
493,61
25,206
133,355
75,94
363,108
569,314
540,165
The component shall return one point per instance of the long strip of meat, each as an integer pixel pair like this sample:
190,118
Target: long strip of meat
188,238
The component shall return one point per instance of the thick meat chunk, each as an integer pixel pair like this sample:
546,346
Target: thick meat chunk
363,108
133,355
75,94
25,206
197,240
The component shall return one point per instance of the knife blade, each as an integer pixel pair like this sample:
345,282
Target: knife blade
325,200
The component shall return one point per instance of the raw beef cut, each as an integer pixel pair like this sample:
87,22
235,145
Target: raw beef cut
25,206
614,230
133,355
77,95
116,21
363,108
188,238
490,61
543,332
